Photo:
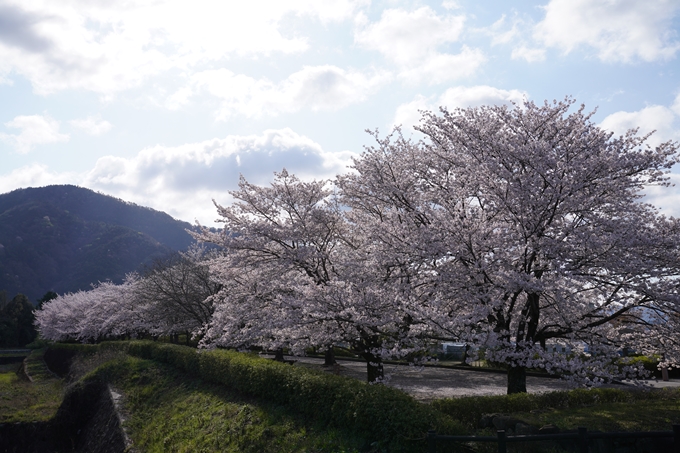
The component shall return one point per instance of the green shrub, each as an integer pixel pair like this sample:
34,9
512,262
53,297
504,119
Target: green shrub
650,364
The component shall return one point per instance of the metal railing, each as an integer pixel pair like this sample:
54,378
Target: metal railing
581,438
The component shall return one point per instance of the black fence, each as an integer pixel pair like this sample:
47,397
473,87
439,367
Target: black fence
580,440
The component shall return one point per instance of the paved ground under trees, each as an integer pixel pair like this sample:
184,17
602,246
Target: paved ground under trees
429,383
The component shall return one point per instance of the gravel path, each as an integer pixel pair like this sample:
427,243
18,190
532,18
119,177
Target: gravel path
429,383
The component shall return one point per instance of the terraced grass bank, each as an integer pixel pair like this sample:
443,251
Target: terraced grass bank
240,402
170,411
40,414
24,401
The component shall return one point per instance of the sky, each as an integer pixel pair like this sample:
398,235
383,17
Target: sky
165,103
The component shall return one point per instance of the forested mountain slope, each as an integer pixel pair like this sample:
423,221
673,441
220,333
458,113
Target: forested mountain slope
63,238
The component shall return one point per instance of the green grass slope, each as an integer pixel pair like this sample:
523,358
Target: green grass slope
170,411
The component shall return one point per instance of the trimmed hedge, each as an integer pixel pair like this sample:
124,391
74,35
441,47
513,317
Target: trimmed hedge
469,410
388,419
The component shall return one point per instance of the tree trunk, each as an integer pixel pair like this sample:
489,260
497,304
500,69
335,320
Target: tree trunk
465,354
278,355
374,368
375,371
329,357
517,380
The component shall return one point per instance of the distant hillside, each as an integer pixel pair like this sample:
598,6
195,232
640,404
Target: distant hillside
63,238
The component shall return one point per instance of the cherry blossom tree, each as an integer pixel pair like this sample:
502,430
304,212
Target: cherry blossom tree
509,228
176,293
104,311
295,275
520,226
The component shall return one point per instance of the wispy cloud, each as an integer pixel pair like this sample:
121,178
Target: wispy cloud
413,41
183,180
618,31
92,125
314,87
34,130
107,47
408,114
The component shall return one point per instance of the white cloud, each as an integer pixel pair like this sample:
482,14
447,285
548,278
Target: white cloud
107,47
653,118
408,115
500,34
619,30
450,4
666,198
92,125
440,68
314,87
666,122
528,54
183,180
456,97
676,105
35,130
412,41
34,175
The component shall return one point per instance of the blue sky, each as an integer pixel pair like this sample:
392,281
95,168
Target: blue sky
164,103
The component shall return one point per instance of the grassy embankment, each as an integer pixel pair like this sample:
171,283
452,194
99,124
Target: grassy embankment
175,411
180,400
171,411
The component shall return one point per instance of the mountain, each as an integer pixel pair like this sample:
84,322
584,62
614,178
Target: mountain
63,238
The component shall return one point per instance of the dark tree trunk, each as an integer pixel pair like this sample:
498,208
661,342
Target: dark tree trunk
375,371
186,342
374,364
329,357
278,355
517,380
374,368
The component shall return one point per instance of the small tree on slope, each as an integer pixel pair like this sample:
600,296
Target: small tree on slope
526,226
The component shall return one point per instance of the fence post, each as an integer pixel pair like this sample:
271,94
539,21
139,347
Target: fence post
583,439
676,438
502,445
431,441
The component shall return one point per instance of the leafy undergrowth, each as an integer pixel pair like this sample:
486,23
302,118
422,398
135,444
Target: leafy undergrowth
170,411
24,401
596,409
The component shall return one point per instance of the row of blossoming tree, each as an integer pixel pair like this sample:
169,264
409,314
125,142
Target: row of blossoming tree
508,229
